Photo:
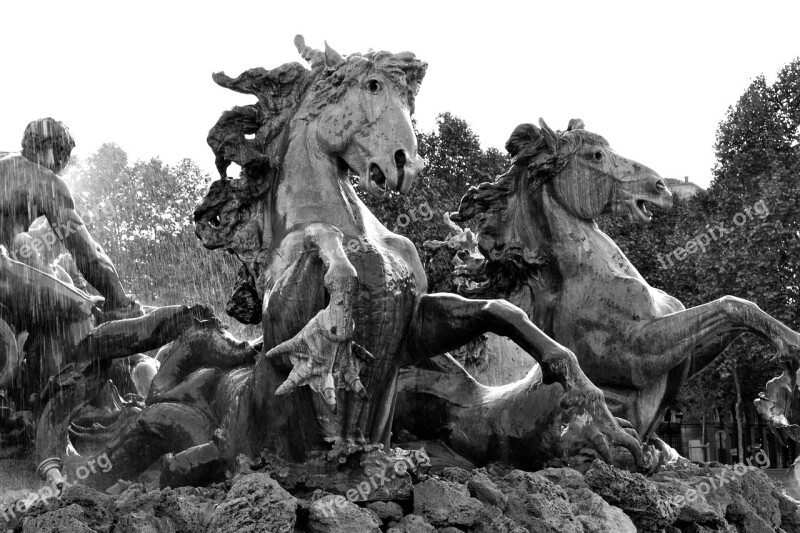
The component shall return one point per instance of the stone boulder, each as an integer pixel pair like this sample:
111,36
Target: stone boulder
445,503
256,503
386,511
594,513
649,506
185,509
69,519
537,504
336,514
412,524
485,490
456,474
79,508
597,515
491,519
717,496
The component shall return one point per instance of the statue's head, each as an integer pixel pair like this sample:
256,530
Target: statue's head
357,110
48,142
360,111
343,114
588,178
575,168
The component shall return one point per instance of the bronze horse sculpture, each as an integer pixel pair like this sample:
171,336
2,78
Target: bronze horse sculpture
544,252
341,319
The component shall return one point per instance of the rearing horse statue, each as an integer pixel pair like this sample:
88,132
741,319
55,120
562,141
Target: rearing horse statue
545,253
344,319
339,319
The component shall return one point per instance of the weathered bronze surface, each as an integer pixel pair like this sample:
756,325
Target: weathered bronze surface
544,252
345,303
353,347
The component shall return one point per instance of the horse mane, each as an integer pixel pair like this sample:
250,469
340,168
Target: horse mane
281,91
513,234
402,69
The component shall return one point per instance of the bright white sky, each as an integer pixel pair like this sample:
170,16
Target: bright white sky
654,80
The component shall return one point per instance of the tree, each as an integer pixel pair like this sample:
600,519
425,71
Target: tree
141,214
147,200
758,166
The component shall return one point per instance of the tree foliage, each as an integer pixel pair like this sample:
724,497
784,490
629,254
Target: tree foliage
455,161
145,201
758,162
141,213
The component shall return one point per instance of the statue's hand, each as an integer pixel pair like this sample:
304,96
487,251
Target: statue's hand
317,354
587,422
201,312
129,308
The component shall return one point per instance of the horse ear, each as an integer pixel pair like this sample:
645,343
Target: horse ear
332,58
550,137
523,136
576,124
313,56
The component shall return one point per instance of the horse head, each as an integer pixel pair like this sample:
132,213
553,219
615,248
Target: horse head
351,113
588,177
359,114
584,178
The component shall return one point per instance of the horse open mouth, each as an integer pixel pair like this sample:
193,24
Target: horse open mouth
642,212
377,177
374,180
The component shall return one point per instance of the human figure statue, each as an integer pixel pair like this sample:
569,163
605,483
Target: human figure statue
89,352
30,187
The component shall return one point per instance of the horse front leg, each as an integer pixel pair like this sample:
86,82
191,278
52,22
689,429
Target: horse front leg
324,346
703,332
444,322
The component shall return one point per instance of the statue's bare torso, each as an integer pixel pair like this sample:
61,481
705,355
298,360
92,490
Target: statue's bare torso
28,191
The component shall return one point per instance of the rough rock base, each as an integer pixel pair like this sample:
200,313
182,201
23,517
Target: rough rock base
495,499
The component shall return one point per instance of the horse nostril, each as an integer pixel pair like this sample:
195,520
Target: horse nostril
661,186
400,158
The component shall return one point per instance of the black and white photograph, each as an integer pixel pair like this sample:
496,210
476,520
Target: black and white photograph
422,267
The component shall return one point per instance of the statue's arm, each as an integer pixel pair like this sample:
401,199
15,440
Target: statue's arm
122,338
22,283
56,203
326,339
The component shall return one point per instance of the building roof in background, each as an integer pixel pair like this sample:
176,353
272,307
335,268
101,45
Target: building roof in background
683,188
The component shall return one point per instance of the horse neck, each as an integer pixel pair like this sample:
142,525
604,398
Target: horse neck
579,247
311,190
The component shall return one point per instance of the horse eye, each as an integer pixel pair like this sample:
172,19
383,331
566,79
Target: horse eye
373,86
598,156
